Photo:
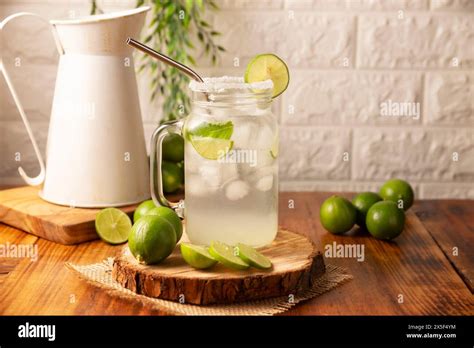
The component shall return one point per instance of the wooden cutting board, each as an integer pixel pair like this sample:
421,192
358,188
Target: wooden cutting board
296,266
22,208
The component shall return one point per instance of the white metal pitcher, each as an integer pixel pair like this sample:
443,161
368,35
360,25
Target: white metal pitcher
96,154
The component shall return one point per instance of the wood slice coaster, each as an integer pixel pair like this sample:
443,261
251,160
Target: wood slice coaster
296,266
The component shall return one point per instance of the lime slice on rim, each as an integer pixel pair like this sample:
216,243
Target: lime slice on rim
252,257
211,148
113,225
225,254
268,66
197,256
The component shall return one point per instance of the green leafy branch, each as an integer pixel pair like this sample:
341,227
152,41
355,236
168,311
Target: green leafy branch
174,25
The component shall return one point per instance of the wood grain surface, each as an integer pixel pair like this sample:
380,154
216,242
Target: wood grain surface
410,275
296,266
22,208
451,224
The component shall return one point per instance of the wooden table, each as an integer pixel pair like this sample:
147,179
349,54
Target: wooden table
427,270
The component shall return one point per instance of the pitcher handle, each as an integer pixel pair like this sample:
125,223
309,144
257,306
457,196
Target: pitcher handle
37,180
156,180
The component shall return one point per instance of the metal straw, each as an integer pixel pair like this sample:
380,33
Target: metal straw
160,56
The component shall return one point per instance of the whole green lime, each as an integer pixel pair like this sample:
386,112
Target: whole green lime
385,220
143,209
181,166
362,202
398,191
172,176
173,148
152,239
337,214
172,218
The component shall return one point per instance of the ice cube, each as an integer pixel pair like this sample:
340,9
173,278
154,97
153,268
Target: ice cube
195,186
265,138
264,158
262,172
236,190
229,172
244,135
216,174
192,159
265,183
210,175
245,169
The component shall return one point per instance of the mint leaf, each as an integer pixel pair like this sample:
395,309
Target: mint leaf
212,130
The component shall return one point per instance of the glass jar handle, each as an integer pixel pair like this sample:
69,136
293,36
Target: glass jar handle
156,180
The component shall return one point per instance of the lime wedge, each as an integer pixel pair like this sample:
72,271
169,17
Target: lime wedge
274,154
225,255
197,256
252,257
274,149
211,148
268,66
113,225
211,140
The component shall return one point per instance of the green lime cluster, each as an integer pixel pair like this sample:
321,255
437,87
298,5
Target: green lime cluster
381,214
238,257
157,230
172,166
152,237
155,233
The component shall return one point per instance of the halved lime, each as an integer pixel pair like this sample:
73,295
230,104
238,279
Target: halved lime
211,148
268,66
197,256
113,225
225,254
252,256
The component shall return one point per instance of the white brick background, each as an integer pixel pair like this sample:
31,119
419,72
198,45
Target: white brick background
346,57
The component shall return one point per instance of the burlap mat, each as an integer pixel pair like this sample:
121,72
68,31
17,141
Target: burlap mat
100,274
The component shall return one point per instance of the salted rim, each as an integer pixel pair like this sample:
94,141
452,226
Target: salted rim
224,83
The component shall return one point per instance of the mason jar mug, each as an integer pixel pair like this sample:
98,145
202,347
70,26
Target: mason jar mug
231,163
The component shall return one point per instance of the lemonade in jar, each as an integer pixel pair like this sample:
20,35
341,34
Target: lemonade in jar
231,162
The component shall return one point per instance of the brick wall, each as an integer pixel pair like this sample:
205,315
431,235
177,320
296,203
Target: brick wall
347,59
